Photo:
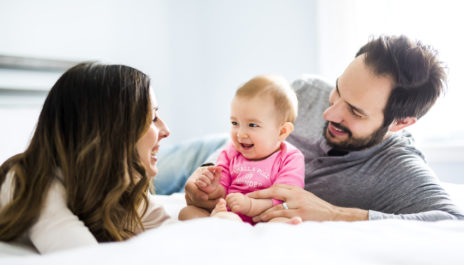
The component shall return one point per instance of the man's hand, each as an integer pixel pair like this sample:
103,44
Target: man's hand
304,204
198,197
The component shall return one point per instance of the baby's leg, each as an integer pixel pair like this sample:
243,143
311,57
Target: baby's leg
192,212
220,211
293,220
279,220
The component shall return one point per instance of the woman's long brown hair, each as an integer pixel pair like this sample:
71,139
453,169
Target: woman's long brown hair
86,137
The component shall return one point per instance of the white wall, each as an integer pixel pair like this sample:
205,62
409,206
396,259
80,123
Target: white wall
345,25
197,52
111,31
218,45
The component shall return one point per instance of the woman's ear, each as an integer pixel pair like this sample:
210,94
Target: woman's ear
401,124
285,130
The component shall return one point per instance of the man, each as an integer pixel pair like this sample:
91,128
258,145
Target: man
364,167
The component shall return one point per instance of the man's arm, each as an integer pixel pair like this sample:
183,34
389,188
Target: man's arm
435,215
409,189
304,204
312,208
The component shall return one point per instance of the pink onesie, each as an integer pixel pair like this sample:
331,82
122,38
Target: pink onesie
242,175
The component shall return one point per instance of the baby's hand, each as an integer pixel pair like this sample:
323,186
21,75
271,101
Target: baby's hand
238,203
208,181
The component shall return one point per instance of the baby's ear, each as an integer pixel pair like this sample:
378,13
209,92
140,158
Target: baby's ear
285,130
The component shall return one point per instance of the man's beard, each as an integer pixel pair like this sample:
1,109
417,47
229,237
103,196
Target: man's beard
352,143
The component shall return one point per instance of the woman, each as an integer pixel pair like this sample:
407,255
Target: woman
86,172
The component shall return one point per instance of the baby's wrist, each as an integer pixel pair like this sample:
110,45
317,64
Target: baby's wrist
250,206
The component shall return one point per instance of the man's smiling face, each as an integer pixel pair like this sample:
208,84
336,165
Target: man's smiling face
355,116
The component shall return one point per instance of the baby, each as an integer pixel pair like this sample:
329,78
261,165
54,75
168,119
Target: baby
262,114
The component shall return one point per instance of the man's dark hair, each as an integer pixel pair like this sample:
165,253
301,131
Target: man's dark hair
419,77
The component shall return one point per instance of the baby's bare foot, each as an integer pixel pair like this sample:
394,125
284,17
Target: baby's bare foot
221,206
220,211
295,220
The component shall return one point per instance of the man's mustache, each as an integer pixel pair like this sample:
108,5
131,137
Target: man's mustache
341,127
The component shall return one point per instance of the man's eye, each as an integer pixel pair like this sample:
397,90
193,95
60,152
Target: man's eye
355,114
253,125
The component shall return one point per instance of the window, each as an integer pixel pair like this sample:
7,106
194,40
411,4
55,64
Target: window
344,26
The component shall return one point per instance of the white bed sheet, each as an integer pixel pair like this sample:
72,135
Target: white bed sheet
216,241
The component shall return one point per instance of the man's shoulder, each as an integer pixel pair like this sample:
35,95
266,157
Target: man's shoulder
403,142
313,99
393,162
309,83
400,150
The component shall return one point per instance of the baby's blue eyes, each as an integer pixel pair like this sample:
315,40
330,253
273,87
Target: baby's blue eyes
251,125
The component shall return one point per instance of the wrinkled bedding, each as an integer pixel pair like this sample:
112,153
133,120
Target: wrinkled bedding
217,241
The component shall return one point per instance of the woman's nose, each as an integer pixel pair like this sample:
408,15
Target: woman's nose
164,131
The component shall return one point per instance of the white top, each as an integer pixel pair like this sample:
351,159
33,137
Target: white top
58,228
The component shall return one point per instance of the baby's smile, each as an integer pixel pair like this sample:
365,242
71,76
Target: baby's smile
246,146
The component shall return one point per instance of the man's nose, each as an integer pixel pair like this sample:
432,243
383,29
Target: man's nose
335,113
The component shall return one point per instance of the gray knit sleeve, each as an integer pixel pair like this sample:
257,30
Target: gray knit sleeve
407,188
435,215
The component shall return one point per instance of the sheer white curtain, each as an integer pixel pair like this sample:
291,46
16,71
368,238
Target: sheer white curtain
345,25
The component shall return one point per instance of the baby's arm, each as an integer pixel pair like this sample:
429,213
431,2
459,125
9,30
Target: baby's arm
209,180
243,204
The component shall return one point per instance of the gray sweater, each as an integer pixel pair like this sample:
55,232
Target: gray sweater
391,179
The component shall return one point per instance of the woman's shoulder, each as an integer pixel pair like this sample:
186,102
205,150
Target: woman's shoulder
58,227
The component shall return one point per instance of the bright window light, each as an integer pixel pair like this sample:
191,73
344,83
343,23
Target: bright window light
344,26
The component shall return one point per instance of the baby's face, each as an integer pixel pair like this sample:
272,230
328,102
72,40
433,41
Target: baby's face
255,129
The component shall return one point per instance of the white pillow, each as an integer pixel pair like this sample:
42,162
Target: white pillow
456,192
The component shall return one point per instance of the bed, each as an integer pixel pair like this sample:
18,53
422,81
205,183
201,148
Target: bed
218,241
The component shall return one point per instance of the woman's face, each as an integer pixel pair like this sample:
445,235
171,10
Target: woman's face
148,145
